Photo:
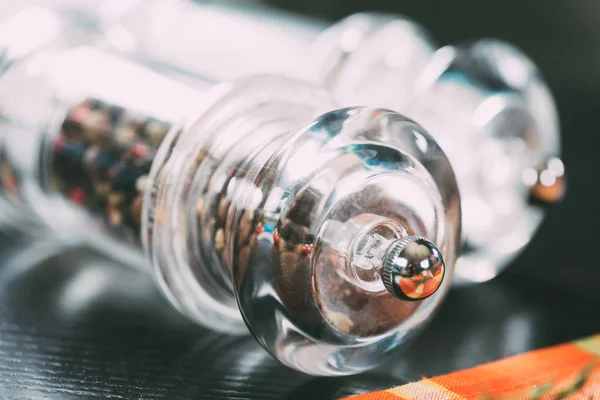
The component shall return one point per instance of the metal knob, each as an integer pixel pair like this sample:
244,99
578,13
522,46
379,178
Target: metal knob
413,268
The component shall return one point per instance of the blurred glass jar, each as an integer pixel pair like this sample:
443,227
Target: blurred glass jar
484,102
329,233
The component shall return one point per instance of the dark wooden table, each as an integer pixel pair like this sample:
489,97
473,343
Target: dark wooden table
78,326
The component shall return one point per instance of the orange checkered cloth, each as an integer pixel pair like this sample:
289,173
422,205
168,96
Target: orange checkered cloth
554,371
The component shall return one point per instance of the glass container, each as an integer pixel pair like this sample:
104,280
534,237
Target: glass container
257,204
486,104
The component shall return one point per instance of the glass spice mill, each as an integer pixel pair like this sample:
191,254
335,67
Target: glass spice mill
325,214
488,107
269,207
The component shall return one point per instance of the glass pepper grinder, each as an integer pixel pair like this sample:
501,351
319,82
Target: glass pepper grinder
331,234
487,106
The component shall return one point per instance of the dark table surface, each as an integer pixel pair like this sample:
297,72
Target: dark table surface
78,326
74,325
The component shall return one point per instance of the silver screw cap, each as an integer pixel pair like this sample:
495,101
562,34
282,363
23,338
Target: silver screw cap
413,268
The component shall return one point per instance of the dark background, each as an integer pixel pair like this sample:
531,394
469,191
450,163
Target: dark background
74,325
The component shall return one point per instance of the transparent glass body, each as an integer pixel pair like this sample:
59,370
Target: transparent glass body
232,193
